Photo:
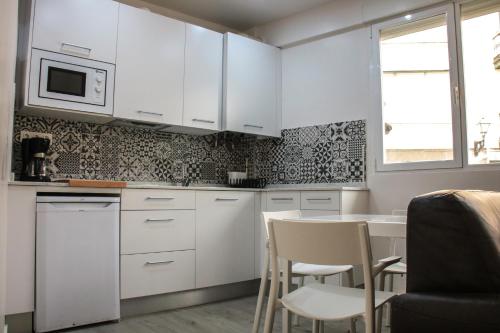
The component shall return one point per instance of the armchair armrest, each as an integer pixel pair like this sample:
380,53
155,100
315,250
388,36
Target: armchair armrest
384,263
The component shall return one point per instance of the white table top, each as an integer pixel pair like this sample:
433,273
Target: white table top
379,225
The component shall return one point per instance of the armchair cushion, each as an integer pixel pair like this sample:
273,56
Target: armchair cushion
443,313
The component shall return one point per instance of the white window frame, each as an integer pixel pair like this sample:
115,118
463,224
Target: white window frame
460,59
455,90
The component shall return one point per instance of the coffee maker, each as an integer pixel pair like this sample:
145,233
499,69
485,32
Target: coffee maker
34,151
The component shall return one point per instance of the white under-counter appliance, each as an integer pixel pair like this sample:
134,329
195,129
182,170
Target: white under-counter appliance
68,82
77,260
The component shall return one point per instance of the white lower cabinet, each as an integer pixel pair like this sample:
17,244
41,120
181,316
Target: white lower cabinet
157,273
224,237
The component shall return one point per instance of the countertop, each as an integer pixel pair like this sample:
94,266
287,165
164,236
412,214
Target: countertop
212,187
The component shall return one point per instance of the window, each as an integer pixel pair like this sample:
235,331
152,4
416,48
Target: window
480,37
417,73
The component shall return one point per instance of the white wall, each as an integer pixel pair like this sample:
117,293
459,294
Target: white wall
178,15
327,80
8,37
331,17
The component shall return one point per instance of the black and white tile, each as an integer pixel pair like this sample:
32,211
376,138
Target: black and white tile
331,153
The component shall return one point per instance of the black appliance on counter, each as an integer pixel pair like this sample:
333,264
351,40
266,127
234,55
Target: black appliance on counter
34,152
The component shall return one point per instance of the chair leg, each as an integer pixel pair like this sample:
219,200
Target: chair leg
296,317
350,280
264,279
271,309
388,305
380,310
322,323
315,328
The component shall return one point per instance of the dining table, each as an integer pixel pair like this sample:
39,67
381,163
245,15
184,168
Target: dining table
392,226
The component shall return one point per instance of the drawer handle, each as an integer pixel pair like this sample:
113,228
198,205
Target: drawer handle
254,126
282,199
204,121
159,198
150,113
158,220
319,199
226,199
158,262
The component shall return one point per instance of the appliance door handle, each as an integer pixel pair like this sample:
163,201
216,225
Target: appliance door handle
158,220
159,198
203,121
166,262
226,199
150,113
76,46
80,206
254,126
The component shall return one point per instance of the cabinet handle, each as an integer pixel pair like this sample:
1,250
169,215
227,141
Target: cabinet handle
158,220
76,46
319,199
204,121
158,262
159,198
150,113
282,199
254,126
226,199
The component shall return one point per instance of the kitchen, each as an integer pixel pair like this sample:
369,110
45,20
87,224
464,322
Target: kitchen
177,125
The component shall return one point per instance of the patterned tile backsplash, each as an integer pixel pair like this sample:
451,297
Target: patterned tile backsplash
332,153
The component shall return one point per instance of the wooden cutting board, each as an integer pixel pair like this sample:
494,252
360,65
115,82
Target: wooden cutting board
96,183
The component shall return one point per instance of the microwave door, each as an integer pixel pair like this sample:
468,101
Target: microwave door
72,83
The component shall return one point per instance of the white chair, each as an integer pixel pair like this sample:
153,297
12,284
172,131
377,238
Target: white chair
299,270
390,272
323,243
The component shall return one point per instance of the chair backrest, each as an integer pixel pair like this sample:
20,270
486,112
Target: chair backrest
314,242
281,215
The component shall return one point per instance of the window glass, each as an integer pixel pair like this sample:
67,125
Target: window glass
416,99
480,25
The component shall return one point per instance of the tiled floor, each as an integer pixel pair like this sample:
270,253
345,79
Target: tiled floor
233,316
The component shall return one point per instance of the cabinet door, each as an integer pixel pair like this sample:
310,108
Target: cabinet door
252,86
203,78
84,28
224,237
149,67
282,200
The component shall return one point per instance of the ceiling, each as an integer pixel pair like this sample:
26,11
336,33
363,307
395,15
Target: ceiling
239,14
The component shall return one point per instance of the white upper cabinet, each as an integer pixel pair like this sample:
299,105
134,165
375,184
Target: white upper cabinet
203,78
252,102
149,67
83,28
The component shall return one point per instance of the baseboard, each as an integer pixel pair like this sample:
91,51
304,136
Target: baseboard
20,323
150,304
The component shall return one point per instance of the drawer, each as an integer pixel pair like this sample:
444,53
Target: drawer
320,200
283,200
138,199
157,231
157,273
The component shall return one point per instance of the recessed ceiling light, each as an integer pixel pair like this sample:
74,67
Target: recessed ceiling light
408,17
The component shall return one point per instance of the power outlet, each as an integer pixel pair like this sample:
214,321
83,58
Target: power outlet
29,135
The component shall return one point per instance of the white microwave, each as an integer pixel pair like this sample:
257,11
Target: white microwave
71,83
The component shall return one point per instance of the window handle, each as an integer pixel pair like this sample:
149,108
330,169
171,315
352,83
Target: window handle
457,95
